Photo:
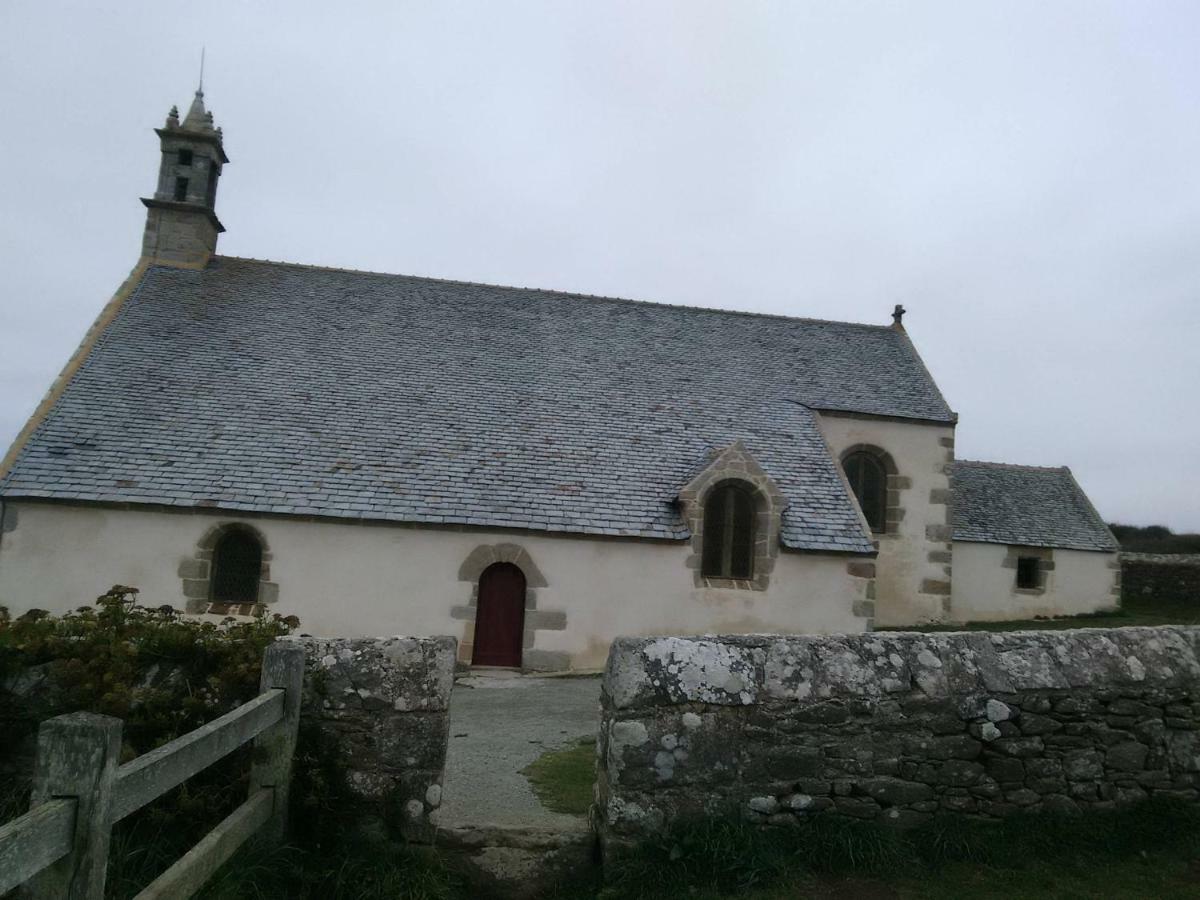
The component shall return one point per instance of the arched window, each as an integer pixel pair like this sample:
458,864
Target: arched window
729,514
237,567
868,480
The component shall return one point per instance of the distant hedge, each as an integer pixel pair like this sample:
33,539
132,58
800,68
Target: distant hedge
1154,539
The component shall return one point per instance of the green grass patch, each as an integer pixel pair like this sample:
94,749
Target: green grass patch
1140,611
563,779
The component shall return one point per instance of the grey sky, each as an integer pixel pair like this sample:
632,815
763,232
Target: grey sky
1024,177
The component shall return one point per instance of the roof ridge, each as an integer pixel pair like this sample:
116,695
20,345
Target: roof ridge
561,293
1018,466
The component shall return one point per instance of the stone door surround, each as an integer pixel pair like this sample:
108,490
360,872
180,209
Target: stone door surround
477,561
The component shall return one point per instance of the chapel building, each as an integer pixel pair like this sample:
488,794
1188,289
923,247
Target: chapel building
533,471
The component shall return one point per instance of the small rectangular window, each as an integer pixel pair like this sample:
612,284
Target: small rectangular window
185,157
1029,573
181,185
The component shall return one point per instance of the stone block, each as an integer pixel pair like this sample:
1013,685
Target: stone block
895,792
547,619
1126,757
960,773
1032,723
856,807
861,569
195,588
1006,770
192,568
545,661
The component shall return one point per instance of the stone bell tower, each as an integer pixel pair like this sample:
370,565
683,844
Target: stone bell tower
181,221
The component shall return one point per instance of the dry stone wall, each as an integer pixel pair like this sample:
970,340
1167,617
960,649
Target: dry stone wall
384,704
1165,578
894,727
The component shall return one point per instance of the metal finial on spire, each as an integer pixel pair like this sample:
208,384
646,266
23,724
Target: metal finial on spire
200,90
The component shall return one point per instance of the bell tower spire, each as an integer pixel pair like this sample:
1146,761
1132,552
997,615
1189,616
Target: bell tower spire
181,219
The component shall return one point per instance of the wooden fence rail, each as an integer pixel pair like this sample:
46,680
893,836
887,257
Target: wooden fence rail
59,849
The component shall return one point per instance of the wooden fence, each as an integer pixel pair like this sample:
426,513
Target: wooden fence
59,849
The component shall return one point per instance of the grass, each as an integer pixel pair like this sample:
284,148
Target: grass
1133,611
371,870
1151,850
563,779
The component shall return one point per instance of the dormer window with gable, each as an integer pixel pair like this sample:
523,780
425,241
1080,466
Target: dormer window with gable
729,514
733,509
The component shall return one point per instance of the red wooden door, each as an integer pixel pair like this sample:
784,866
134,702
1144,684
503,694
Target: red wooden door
500,617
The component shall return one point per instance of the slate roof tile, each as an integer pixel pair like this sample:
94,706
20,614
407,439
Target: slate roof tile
282,388
997,503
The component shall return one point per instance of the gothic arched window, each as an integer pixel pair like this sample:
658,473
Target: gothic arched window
237,567
868,479
729,515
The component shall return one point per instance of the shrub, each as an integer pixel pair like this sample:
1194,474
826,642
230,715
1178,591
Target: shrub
163,675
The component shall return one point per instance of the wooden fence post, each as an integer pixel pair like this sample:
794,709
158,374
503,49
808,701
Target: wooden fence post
77,756
283,667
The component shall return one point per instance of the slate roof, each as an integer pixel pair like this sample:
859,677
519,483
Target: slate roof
1036,507
278,388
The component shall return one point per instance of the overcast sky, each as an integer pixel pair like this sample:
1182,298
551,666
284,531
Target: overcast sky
1023,177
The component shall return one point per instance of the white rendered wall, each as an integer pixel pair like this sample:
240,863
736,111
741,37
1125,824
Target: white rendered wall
912,581
348,579
1082,581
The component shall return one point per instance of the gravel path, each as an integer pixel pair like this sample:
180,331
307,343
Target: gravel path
498,726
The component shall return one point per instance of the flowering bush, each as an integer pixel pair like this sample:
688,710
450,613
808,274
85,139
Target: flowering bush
160,672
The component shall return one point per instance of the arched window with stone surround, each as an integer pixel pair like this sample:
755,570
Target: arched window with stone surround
730,513
236,567
867,474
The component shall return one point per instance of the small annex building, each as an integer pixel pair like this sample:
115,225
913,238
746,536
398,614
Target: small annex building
1029,543
534,471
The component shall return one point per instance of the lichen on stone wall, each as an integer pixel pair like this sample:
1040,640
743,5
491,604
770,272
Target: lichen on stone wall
385,704
896,727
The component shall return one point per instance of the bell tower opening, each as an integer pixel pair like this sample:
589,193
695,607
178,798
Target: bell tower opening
181,219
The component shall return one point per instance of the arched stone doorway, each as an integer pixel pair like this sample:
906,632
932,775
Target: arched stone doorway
500,618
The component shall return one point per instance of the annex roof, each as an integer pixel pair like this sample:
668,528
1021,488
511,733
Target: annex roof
997,503
277,388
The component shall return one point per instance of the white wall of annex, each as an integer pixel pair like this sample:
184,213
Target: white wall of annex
1081,581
